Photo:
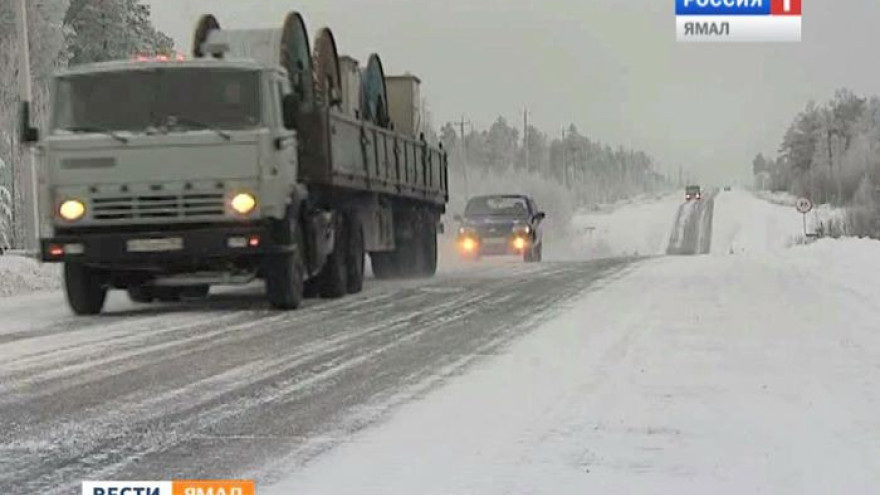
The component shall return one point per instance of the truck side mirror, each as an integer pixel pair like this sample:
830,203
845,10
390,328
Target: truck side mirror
540,216
28,133
289,109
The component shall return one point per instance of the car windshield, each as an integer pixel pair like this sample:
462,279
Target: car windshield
500,206
144,99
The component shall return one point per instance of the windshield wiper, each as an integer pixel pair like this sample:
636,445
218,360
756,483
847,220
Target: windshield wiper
188,121
99,130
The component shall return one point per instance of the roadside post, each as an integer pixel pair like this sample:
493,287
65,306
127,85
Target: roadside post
29,173
804,206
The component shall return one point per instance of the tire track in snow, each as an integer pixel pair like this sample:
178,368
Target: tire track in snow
258,385
692,232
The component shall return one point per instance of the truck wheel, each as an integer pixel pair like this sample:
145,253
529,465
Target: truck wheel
195,292
311,290
355,261
141,295
409,259
86,292
429,243
168,294
533,255
383,265
333,280
286,273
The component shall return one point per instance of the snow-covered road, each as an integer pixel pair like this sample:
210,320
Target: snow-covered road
733,374
749,370
228,388
752,370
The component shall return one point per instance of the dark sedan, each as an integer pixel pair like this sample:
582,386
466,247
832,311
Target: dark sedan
501,225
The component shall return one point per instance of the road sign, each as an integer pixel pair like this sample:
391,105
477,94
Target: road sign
804,205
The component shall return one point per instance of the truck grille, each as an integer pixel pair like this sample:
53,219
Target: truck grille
158,206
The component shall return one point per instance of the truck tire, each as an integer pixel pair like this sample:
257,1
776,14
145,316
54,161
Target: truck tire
534,255
333,279
384,265
195,292
141,295
286,272
311,290
86,292
409,258
429,246
355,261
168,294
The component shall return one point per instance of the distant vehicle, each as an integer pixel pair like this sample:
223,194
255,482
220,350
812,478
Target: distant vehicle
501,225
693,193
728,188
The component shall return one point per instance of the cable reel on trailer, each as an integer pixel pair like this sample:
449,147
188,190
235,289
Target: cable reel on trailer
207,24
287,47
296,58
374,94
328,85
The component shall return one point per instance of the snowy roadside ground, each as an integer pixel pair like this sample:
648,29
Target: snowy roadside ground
734,374
637,228
20,275
753,223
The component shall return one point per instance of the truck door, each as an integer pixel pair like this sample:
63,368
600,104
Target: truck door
287,144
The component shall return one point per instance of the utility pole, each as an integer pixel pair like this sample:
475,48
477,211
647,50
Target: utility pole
526,138
565,162
31,219
464,160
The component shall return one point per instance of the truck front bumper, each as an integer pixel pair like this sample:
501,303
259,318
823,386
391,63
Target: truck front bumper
186,246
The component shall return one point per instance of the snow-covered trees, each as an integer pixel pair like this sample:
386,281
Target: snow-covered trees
831,153
60,32
6,216
561,173
47,37
112,29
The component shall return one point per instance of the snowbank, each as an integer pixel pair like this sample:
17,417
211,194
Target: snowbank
640,227
744,222
20,275
734,374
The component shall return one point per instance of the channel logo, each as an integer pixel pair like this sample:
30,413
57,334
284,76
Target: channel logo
177,487
738,20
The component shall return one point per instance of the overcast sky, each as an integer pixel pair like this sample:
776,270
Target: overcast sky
611,67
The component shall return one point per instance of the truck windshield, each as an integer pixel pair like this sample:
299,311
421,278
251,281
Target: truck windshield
173,99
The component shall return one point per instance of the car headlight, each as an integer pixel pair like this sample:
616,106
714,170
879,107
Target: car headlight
468,245
522,229
72,210
243,203
467,231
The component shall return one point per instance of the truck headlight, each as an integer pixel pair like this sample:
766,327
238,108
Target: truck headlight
467,231
522,230
243,203
72,210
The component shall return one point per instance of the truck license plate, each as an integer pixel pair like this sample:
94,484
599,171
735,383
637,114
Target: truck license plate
155,245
